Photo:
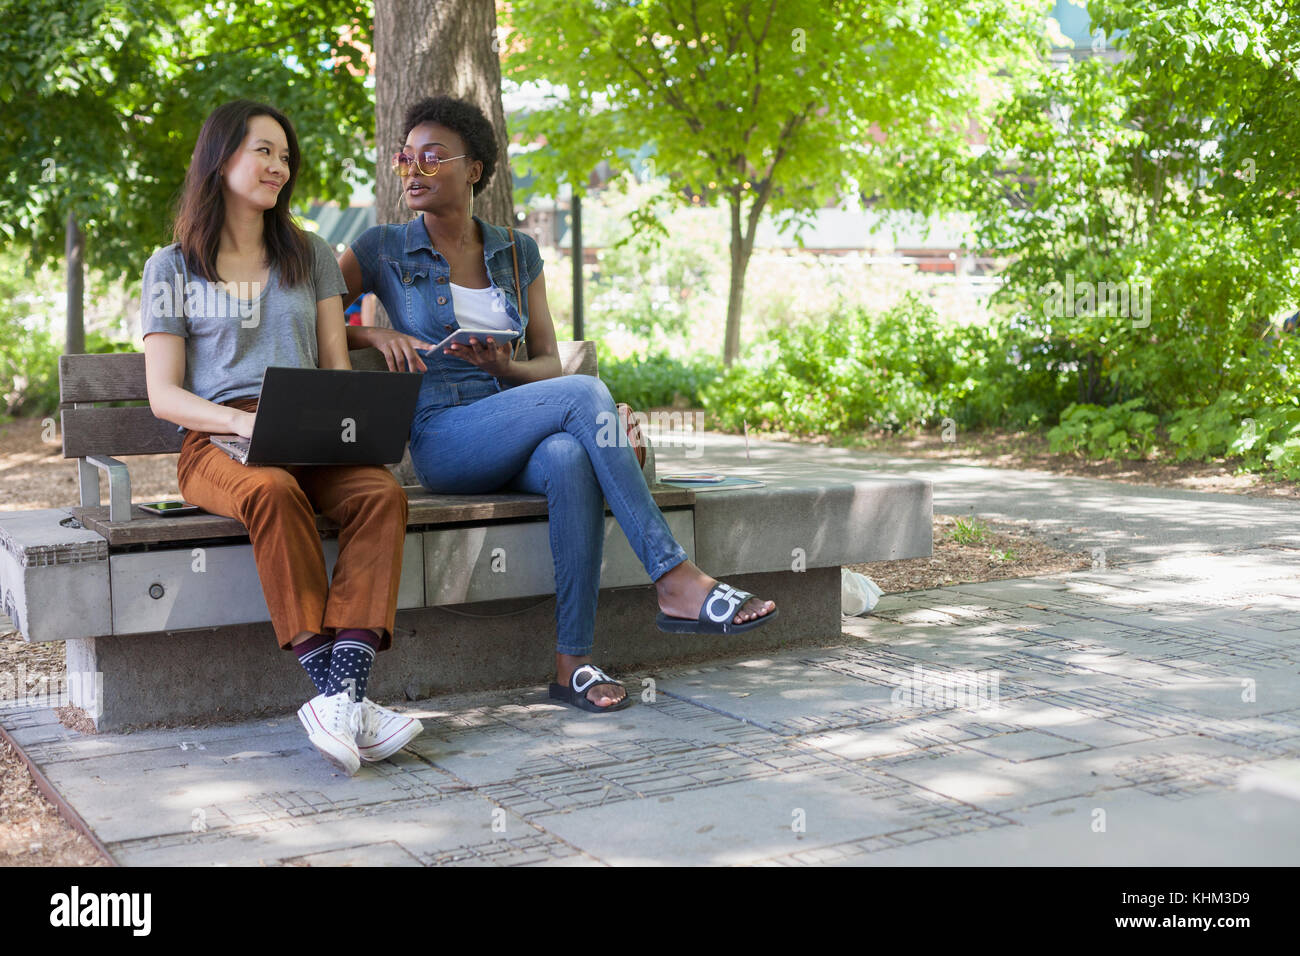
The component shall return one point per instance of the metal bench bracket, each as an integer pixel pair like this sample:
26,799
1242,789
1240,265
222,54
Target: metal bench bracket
119,485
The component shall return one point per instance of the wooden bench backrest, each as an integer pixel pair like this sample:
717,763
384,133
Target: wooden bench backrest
119,377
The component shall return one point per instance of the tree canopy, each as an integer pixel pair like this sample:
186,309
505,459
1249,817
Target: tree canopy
101,102
1164,167
774,106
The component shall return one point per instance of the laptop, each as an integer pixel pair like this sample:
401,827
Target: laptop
316,416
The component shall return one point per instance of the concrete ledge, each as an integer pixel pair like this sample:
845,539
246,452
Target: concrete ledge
502,561
60,583
53,578
831,520
169,589
221,674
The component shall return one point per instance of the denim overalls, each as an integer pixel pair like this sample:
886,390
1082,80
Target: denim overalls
400,265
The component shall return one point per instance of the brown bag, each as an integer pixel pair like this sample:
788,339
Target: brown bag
635,437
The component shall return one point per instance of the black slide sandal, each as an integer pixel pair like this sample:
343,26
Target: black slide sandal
708,623
576,695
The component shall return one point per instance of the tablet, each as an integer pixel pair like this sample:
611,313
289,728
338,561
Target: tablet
462,337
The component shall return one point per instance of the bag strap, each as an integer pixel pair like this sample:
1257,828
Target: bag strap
514,255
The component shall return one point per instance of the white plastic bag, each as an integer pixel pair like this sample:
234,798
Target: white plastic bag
858,593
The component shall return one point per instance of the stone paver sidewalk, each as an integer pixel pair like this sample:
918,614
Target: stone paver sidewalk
1148,714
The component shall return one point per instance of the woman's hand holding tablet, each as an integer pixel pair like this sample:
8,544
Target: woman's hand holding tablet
489,349
464,337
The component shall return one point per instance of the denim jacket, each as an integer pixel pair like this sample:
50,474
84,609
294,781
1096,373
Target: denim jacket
399,264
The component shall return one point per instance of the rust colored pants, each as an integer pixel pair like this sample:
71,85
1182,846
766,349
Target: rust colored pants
277,505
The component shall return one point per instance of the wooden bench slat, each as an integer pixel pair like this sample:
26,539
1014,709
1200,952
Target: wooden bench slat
423,509
576,358
115,377
117,431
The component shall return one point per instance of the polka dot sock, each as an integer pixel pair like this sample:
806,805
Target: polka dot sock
314,656
354,652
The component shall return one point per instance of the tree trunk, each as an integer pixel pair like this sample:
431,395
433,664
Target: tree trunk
428,48
75,252
1089,378
742,246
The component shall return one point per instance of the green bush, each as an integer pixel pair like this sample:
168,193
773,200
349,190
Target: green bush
656,380
1117,431
1260,424
29,366
1282,448
1148,253
29,369
1014,386
899,369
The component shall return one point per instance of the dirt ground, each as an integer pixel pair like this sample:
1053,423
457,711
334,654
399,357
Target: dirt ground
31,831
1006,550
34,474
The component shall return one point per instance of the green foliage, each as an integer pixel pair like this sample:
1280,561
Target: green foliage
1259,425
1013,386
967,531
97,343
1283,445
29,369
756,107
1164,171
800,78
1210,430
656,380
899,369
101,103
29,364
1117,431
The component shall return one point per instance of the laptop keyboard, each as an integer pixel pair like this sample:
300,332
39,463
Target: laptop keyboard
235,447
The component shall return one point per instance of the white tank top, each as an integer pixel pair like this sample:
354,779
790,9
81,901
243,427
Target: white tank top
480,308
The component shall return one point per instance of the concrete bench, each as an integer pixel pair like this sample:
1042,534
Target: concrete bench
151,609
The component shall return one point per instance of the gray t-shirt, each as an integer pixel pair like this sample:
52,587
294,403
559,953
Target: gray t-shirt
231,339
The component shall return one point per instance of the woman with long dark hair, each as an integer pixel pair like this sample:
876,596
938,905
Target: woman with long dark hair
258,291
485,421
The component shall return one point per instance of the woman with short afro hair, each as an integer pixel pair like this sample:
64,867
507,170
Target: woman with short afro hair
488,422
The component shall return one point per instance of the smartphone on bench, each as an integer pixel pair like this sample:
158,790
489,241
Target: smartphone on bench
170,509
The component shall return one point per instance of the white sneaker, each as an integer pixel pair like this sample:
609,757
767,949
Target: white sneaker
329,724
381,732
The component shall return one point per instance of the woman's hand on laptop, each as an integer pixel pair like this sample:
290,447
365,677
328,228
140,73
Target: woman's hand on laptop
243,423
398,349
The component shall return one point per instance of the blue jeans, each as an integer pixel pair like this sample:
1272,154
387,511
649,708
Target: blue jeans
550,438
